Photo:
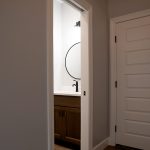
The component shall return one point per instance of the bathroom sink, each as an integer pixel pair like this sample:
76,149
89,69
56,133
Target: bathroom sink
69,93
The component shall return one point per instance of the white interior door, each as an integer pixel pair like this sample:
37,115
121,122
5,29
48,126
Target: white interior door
133,75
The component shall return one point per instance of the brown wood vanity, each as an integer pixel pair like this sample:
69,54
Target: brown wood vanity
67,118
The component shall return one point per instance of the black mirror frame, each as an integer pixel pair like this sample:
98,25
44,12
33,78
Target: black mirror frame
66,61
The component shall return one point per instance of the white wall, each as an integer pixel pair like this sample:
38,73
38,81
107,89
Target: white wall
71,35
58,53
65,35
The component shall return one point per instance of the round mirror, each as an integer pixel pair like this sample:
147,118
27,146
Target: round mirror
73,61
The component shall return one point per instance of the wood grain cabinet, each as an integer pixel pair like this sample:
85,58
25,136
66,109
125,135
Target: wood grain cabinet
67,118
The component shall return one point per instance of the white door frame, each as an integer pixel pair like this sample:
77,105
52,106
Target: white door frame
113,68
86,75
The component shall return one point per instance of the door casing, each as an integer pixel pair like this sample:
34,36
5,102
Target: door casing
113,68
86,75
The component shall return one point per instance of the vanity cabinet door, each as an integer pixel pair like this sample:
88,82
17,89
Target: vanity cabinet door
67,119
72,120
59,123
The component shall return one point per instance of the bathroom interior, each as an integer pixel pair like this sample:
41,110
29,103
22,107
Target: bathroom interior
67,75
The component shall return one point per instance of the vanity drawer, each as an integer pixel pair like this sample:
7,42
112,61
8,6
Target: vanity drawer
67,101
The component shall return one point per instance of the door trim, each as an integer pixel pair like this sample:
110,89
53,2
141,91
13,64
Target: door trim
49,76
113,68
87,74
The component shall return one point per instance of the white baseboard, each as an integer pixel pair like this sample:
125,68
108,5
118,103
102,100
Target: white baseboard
111,141
102,145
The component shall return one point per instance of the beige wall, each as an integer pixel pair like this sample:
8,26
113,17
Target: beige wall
23,75
122,7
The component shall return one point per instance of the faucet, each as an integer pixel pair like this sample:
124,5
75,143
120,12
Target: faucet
76,85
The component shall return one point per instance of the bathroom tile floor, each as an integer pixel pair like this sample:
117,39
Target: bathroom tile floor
58,147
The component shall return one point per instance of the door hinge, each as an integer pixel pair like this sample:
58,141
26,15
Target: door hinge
115,128
116,84
115,39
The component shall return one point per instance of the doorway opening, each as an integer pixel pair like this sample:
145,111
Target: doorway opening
67,75
85,86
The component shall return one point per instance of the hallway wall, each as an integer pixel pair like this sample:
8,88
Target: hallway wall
23,107
100,71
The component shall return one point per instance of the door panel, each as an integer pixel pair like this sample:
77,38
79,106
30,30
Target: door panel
138,104
138,128
133,75
137,116
138,93
138,81
59,125
138,57
73,120
140,32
